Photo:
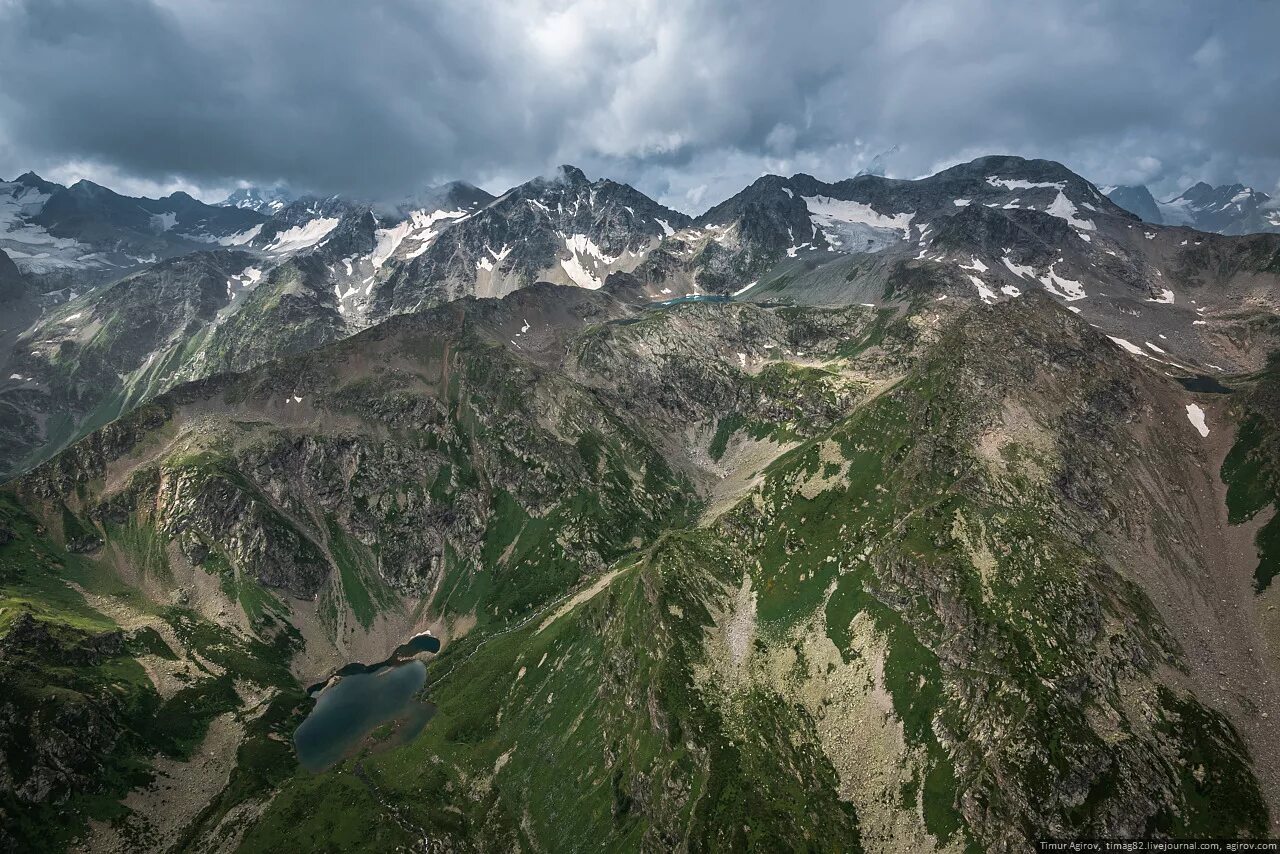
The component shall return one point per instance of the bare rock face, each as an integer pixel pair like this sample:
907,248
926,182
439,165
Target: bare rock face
12,283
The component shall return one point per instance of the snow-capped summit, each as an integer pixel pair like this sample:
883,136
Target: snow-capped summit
1228,209
562,228
267,201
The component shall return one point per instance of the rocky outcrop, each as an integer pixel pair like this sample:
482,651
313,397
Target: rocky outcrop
13,285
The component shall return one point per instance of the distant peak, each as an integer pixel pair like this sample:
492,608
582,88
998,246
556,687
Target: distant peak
452,195
261,199
34,181
775,182
570,175
86,187
462,190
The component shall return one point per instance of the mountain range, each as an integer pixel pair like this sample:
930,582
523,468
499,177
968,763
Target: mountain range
874,515
1229,209
87,233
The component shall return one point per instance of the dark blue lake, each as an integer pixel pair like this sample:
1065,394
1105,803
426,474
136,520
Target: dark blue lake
348,710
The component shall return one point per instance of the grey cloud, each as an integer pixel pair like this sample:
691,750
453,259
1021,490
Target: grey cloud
689,100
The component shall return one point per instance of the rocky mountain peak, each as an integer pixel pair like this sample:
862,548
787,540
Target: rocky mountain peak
34,181
88,189
1200,192
463,194
1136,200
451,196
571,175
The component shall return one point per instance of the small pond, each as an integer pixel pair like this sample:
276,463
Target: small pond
1202,383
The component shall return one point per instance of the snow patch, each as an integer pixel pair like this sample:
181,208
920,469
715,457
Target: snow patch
984,292
1127,346
420,227
242,238
1059,286
1017,269
580,275
826,211
1062,208
580,244
585,259
1196,416
1068,289
1019,184
389,240
303,236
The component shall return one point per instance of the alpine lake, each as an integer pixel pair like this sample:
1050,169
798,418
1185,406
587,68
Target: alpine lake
359,699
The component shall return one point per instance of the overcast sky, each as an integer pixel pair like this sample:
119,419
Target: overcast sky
689,100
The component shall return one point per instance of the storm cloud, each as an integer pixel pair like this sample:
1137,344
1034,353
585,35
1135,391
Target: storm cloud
688,100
